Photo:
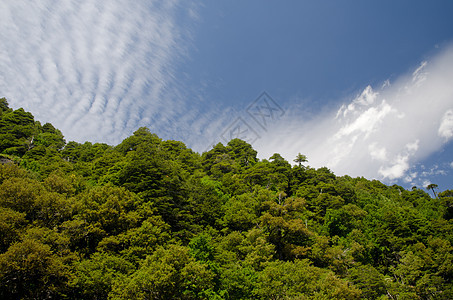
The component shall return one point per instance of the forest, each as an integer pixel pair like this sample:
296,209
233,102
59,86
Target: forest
152,219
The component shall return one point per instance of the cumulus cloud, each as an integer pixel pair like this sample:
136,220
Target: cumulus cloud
97,70
381,133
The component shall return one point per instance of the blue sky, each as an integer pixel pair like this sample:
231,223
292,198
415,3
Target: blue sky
359,86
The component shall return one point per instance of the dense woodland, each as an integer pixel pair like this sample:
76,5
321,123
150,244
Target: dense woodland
152,219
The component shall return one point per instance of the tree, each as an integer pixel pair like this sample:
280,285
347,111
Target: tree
16,130
301,280
11,222
94,277
170,273
141,136
136,243
242,152
210,158
300,158
21,194
283,221
30,270
446,199
4,106
341,221
240,212
431,187
238,281
111,209
11,170
369,280
250,249
152,219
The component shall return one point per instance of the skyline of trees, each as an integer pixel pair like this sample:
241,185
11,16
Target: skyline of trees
151,218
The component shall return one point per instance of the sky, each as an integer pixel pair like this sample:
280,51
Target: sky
362,87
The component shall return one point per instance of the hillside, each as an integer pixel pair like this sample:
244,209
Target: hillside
152,219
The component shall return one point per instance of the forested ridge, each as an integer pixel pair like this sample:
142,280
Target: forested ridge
152,219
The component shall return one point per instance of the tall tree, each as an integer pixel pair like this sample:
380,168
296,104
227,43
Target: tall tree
431,187
300,158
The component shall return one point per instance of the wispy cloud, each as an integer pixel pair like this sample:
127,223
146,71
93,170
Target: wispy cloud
381,133
96,69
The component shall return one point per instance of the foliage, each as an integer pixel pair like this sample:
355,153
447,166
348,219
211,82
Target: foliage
150,218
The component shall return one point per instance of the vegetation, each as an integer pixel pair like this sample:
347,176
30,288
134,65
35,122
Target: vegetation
152,219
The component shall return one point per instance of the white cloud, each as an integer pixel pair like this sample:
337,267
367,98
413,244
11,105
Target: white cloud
399,165
409,178
366,122
366,98
434,170
420,74
378,134
419,174
397,169
97,70
412,147
376,152
425,183
446,125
